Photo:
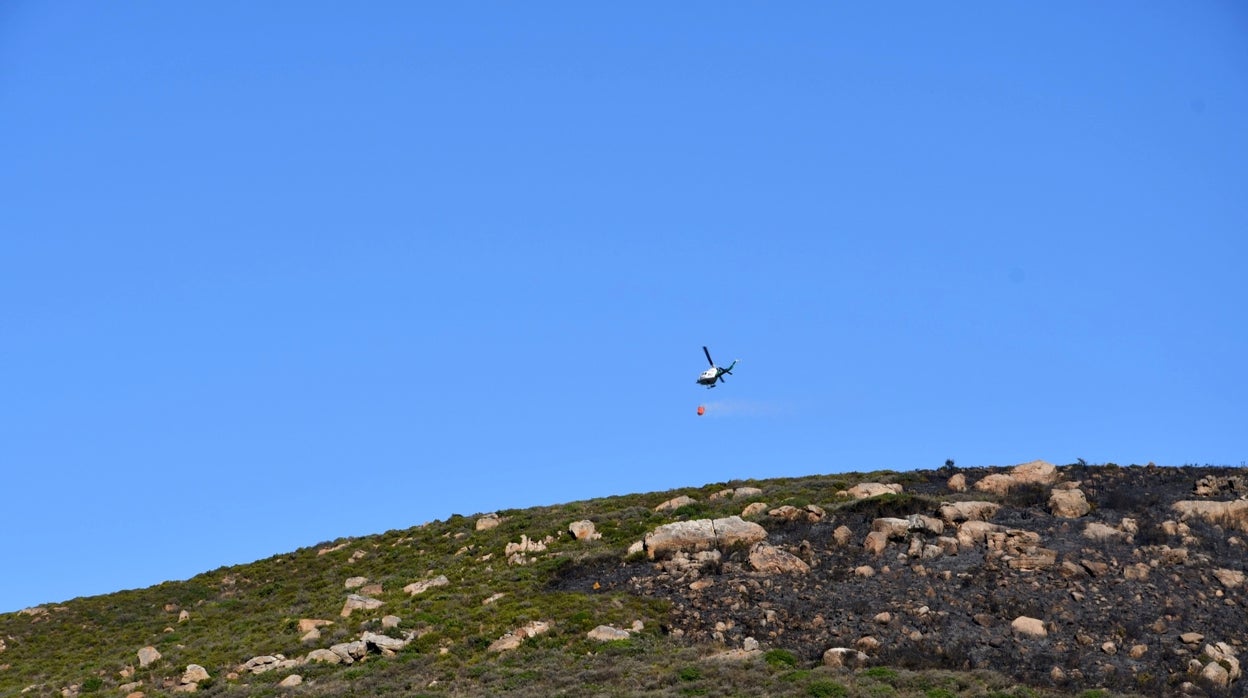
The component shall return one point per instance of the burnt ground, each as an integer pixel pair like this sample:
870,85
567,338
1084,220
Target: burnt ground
954,611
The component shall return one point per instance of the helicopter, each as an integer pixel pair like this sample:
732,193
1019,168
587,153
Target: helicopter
715,374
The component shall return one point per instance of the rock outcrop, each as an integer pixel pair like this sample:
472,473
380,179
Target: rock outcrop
702,534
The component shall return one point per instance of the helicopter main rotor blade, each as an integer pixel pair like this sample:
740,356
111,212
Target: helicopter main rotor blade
708,356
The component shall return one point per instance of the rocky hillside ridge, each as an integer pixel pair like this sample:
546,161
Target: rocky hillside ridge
1132,579
1061,578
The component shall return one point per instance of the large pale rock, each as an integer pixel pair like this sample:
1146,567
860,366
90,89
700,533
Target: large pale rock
1069,504
738,493
355,582
844,658
1229,578
1227,514
291,681
702,534
875,542
583,530
307,625
842,535
754,509
1033,627
1096,530
1037,472
955,512
357,602
769,559
526,545
324,657
194,674
512,640
421,587
894,529
676,503
1217,675
261,664
383,642
873,489
606,633
971,533
1225,655
147,656
350,652
488,522
997,483
957,483
927,525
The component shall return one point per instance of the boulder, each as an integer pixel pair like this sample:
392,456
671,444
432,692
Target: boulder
291,681
525,545
702,534
1101,532
1037,472
892,528
810,513
355,582
844,658
842,535
927,525
787,512
1069,504
957,483
260,664
955,512
512,640
192,677
997,483
1230,579
307,625
875,542
350,652
147,656
1225,655
421,587
754,509
1232,514
873,489
738,493
583,530
488,522
1033,627
383,642
769,559
971,533
1217,675
356,601
676,503
606,633
324,656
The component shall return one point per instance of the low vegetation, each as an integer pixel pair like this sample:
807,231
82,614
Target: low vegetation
221,619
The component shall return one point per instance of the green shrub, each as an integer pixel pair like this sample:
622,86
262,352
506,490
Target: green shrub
882,673
92,684
826,689
689,673
780,659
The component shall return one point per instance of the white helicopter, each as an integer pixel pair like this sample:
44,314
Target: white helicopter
715,374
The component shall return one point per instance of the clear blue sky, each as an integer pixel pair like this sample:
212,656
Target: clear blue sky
274,273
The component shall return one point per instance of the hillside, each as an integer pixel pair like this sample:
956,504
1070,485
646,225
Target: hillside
1027,581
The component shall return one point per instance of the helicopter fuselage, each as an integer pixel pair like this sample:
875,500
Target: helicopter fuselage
709,377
